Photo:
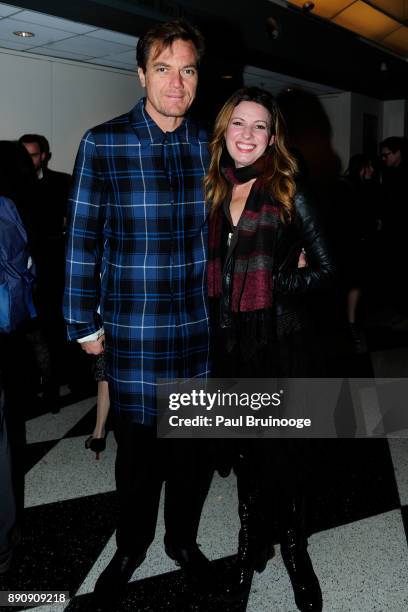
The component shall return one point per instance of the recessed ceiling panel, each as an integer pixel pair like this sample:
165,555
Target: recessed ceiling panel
112,63
398,41
7,9
128,58
53,22
43,35
118,37
94,47
11,44
395,8
325,8
366,21
61,54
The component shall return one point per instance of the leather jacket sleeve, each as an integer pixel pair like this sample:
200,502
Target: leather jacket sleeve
317,276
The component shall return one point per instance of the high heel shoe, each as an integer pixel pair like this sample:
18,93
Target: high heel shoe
97,445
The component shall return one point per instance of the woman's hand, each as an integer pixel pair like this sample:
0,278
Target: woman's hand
94,347
302,263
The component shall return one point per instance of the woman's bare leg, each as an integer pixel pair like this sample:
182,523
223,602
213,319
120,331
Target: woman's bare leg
102,409
353,299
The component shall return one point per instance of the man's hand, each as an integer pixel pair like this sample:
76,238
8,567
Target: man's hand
94,347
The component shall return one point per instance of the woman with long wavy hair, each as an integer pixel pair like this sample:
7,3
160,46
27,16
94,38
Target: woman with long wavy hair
266,253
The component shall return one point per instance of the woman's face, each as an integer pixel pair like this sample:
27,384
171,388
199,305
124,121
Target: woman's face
248,133
367,172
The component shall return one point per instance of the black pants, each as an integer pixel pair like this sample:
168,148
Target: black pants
143,463
15,365
7,501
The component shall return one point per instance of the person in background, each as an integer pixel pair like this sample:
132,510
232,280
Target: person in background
393,155
260,219
54,186
358,222
17,358
394,179
7,498
49,213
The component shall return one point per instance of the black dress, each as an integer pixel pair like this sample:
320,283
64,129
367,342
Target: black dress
279,341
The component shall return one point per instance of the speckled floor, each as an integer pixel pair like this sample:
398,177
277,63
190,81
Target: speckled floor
358,517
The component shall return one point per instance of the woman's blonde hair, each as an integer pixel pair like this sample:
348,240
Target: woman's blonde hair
280,165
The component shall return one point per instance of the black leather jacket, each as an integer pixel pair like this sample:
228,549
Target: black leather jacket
290,282
293,286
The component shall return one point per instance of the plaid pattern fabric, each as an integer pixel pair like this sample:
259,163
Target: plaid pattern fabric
137,248
253,245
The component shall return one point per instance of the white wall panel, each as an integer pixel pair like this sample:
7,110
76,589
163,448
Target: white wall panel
360,106
60,99
84,96
346,113
395,118
338,109
25,98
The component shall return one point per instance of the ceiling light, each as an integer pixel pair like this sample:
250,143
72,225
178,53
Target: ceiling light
24,34
308,6
226,76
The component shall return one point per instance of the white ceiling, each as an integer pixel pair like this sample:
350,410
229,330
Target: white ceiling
78,41
66,39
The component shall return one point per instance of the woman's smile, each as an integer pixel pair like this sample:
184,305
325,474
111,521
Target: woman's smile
248,133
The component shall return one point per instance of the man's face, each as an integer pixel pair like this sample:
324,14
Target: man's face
390,159
34,150
170,80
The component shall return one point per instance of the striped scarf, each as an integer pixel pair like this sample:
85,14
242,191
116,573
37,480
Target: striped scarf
252,275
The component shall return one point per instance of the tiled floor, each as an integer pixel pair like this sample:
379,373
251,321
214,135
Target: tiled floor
358,517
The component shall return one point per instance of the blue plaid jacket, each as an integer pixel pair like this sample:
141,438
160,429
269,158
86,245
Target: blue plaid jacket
137,250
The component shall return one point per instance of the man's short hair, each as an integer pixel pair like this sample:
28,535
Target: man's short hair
39,139
163,35
393,143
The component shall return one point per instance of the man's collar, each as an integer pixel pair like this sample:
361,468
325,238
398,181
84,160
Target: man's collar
149,132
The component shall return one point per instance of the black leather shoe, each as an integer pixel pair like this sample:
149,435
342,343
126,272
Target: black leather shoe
306,588
196,565
115,576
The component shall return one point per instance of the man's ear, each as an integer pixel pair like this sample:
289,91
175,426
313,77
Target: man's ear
142,77
272,140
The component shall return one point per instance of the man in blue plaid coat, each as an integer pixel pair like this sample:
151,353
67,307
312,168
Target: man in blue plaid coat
136,261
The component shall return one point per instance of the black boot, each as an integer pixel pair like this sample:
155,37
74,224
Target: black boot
254,551
192,561
306,588
112,581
